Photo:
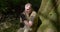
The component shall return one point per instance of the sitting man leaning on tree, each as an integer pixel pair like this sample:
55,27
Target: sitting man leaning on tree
27,17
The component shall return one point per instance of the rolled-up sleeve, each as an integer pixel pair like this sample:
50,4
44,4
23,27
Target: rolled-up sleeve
32,16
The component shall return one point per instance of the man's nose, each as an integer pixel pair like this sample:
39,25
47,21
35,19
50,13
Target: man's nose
28,8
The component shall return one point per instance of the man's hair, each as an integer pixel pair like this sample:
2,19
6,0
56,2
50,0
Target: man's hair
28,4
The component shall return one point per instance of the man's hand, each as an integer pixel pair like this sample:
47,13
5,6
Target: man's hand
28,23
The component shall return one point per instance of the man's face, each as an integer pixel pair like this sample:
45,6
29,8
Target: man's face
28,8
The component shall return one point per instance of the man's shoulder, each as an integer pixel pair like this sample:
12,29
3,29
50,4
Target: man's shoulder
22,15
33,13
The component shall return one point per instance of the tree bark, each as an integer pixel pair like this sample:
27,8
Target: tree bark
47,14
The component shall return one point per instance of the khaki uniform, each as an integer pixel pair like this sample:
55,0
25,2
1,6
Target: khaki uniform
29,18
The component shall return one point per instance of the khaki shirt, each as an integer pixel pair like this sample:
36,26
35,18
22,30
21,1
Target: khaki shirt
29,17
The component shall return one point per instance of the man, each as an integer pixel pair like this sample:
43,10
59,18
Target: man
27,17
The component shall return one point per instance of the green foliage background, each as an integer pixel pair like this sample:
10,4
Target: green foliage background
10,12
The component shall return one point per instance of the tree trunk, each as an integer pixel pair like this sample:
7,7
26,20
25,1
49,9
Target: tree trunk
49,15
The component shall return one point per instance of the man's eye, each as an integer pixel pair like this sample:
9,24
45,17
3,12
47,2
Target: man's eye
27,6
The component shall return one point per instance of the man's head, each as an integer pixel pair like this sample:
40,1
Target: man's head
28,7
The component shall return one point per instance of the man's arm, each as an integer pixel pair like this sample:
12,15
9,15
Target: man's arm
32,18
